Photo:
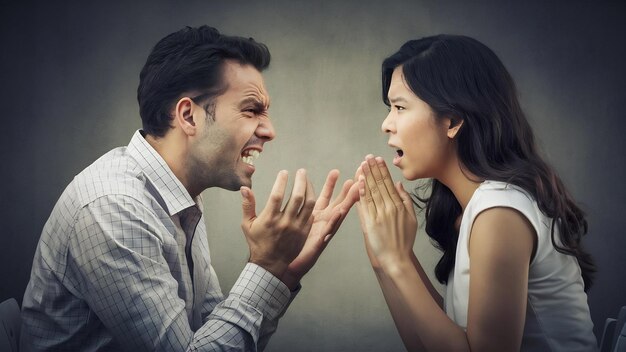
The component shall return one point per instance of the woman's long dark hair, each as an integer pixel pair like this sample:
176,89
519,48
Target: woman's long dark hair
461,78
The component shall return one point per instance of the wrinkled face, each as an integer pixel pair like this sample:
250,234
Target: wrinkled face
418,137
223,155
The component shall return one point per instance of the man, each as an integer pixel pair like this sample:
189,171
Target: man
123,261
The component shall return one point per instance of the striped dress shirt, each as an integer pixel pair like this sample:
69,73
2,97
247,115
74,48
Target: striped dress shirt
123,263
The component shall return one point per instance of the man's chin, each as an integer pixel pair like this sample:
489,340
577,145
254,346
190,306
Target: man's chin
247,183
234,182
238,183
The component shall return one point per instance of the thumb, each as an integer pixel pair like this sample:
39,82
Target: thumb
248,204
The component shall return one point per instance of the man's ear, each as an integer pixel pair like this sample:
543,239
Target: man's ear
184,116
454,126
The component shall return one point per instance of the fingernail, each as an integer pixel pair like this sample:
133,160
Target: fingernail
244,192
327,238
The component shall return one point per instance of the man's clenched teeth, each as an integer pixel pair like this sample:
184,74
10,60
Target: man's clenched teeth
248,156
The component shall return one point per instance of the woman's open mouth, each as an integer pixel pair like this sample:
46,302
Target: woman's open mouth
398,157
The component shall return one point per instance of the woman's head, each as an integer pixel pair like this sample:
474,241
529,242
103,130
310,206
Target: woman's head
423,141
469,91
469,114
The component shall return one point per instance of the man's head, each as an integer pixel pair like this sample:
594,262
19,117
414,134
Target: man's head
190,60
204,105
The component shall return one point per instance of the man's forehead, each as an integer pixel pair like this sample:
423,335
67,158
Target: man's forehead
245,82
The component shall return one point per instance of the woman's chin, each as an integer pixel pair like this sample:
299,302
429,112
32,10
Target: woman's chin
410,175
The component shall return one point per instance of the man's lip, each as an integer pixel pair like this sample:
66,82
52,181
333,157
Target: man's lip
248,166
259,149
250,148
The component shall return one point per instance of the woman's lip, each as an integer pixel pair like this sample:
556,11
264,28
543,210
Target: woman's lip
396,160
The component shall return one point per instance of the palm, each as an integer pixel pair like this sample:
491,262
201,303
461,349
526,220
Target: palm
387,216
325,221
314,245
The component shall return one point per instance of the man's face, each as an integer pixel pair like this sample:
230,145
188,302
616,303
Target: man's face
223,154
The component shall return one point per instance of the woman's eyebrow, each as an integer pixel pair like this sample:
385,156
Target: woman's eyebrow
397,100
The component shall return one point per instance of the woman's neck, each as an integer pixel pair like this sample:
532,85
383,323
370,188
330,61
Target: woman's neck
461,182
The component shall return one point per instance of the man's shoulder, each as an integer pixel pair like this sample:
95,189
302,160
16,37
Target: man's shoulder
113,174
105,183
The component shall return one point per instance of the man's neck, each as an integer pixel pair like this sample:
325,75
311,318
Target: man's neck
173,151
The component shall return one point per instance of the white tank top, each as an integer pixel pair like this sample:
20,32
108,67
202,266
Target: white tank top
557,313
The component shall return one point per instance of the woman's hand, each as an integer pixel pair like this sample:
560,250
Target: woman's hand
361,211
386,212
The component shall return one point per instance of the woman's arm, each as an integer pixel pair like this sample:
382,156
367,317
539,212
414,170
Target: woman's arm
396,305
398,308
380,275
501,244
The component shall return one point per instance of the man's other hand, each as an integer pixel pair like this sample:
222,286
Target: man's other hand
327,217
275,237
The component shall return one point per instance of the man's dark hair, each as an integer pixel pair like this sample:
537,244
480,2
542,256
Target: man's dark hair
190,61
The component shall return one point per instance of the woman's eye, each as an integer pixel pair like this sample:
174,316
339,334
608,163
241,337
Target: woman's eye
398,107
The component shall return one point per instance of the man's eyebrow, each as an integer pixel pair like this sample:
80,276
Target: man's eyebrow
255,102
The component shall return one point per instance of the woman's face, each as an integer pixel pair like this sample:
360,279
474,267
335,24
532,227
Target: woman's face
423,148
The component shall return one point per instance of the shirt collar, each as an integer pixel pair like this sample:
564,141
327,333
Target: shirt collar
168,186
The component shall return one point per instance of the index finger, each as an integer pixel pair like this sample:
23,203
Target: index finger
391,189
379,180
369,196
275,200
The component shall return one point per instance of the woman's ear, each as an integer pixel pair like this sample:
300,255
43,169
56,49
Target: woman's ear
454,126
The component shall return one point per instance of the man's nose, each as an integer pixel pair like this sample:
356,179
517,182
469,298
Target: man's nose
265,130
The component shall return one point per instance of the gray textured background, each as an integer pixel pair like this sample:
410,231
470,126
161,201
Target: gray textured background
69,72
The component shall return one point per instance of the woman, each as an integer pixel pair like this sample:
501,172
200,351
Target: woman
510,233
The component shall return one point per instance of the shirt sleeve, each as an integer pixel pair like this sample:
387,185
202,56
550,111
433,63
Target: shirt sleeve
115,260
251,276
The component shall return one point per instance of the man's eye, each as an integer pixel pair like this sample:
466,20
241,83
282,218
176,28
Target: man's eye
398,107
